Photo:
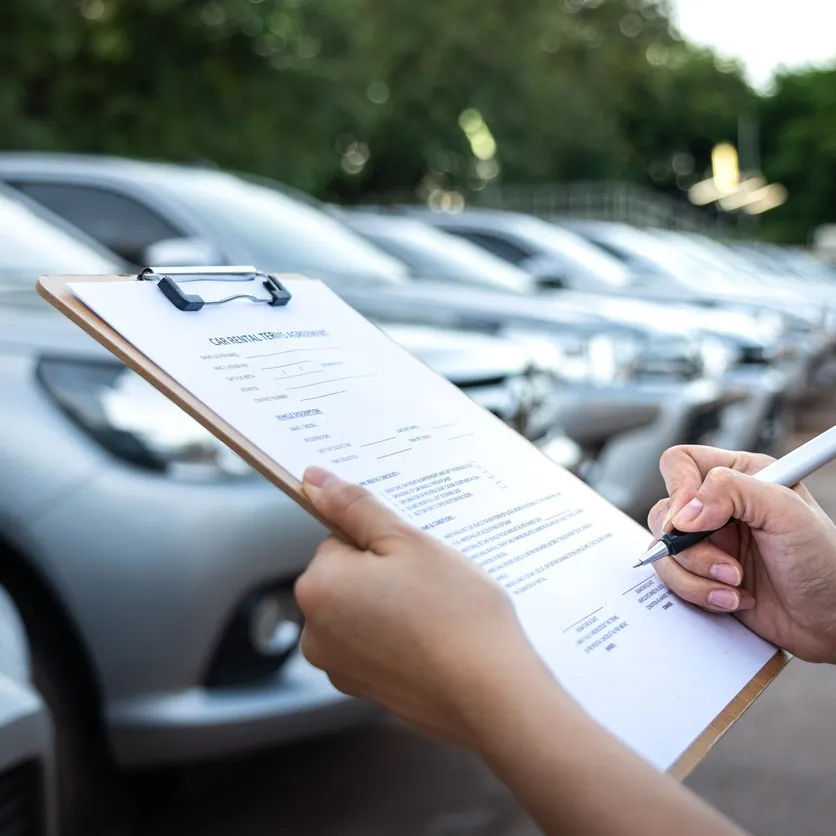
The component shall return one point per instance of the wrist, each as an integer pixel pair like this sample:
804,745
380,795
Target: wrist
506,690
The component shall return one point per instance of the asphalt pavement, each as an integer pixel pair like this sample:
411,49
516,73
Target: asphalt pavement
774,773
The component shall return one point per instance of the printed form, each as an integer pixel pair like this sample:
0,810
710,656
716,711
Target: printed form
316,383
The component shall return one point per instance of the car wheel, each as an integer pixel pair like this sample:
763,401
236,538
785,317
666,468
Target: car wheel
89,791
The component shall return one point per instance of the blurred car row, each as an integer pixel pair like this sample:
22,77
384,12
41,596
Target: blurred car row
153,569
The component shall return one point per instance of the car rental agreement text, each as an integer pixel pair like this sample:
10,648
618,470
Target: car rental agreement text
314,383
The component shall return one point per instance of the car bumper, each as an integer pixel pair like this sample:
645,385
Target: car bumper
663,414
759,422
200,723
27,755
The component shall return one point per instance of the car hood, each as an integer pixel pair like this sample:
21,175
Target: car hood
455,307
670,315
29,325
464,358
562,311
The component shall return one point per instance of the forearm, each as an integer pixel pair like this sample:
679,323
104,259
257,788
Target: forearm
574,777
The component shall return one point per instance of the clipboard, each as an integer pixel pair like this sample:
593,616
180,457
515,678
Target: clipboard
55,290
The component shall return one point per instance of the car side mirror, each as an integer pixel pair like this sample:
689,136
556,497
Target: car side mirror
548,273
551,282
181,252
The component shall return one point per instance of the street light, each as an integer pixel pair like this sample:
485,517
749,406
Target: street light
751,194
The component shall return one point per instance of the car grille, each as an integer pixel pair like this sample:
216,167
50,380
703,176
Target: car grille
682,368
483,383
21,801
701,426
753,355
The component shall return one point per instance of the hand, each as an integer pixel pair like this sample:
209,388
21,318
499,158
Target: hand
774,567
402,619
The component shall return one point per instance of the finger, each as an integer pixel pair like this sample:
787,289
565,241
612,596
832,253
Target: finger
685,467
707,594
354,510
727,494
312,649
347,685
656,519
327,580
707,561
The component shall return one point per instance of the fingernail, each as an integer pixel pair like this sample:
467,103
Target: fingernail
690,512
746,602
725,573
317,477
723,599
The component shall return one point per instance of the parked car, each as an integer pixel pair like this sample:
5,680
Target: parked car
674,267
734,347
555,257
27,765
153,568
166,214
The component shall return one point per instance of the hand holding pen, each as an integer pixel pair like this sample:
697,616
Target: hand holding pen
773,565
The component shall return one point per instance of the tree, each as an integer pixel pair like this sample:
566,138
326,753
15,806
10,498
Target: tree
798,128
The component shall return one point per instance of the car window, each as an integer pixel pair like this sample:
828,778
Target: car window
494,244
572,250
121,223
30,245
279,233
436,255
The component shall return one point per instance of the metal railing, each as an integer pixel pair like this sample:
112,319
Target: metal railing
600,200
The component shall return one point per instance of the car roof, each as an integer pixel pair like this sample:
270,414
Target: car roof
364,219
44,214
48,161
490,218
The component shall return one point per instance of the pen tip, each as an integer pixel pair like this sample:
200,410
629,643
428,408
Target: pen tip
637,565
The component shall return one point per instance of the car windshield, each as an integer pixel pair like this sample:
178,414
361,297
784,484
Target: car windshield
283,234
436,255
644,252
31,245
566,246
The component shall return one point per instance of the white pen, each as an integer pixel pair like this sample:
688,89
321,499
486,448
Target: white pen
787,471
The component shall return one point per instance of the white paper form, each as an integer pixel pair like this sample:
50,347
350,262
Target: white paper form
316,383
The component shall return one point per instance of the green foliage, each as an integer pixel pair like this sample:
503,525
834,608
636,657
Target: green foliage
798,123
347,98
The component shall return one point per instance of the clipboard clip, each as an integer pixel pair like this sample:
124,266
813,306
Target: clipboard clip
166,283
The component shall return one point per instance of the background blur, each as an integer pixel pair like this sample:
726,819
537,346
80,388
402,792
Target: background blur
352,99
612,223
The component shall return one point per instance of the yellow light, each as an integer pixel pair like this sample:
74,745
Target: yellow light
725,168
450,202
703,193
470,121
767,198
750,191
482,143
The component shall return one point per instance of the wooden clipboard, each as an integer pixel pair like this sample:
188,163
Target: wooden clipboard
54,289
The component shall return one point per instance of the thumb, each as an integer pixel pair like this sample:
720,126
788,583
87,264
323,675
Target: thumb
353,510
727,494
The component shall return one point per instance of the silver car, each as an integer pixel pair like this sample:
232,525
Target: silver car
735,350
27,765
155,213
153,567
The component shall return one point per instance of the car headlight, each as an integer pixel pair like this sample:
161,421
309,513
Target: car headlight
544,353
601,359
717,355
135,423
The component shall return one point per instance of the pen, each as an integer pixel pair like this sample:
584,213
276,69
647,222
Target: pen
787,471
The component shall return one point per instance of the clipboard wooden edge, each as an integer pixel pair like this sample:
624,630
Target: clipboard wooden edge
696,752
55,291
